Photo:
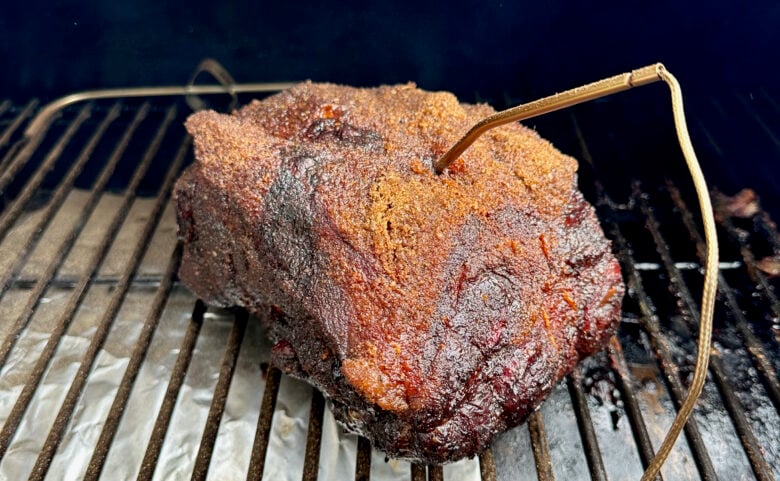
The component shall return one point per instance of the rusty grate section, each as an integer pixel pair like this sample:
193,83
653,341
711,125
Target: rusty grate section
110,369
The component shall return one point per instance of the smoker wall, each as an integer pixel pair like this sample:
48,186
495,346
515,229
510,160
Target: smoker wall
526,47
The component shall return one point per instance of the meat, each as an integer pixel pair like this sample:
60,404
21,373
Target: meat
434,312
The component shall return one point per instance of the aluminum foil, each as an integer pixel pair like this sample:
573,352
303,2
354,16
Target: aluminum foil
232,449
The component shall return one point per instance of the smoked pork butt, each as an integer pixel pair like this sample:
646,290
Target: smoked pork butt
433,311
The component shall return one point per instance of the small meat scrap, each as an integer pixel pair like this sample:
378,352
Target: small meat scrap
744,204
769,265
433,311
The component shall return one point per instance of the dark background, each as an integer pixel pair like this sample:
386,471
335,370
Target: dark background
725,55
533,47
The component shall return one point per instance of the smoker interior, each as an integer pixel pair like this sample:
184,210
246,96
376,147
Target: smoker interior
111,369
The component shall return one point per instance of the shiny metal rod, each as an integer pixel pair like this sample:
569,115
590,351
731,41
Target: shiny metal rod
41,121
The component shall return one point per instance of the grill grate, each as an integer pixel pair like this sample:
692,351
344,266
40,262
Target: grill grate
112,370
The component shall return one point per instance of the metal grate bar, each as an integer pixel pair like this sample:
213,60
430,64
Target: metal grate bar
624,385
77,294
752,448
9,131
102,329
418,472
541,449
691,313
21,117
52,206
435,473
260,445
4,106
75,299
314,437
108,432
152,453
487,465
20,407
219,399
745,249
69,281
661,348
758,354
31,186
29,147
363,464
54,265
64,186
585,424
